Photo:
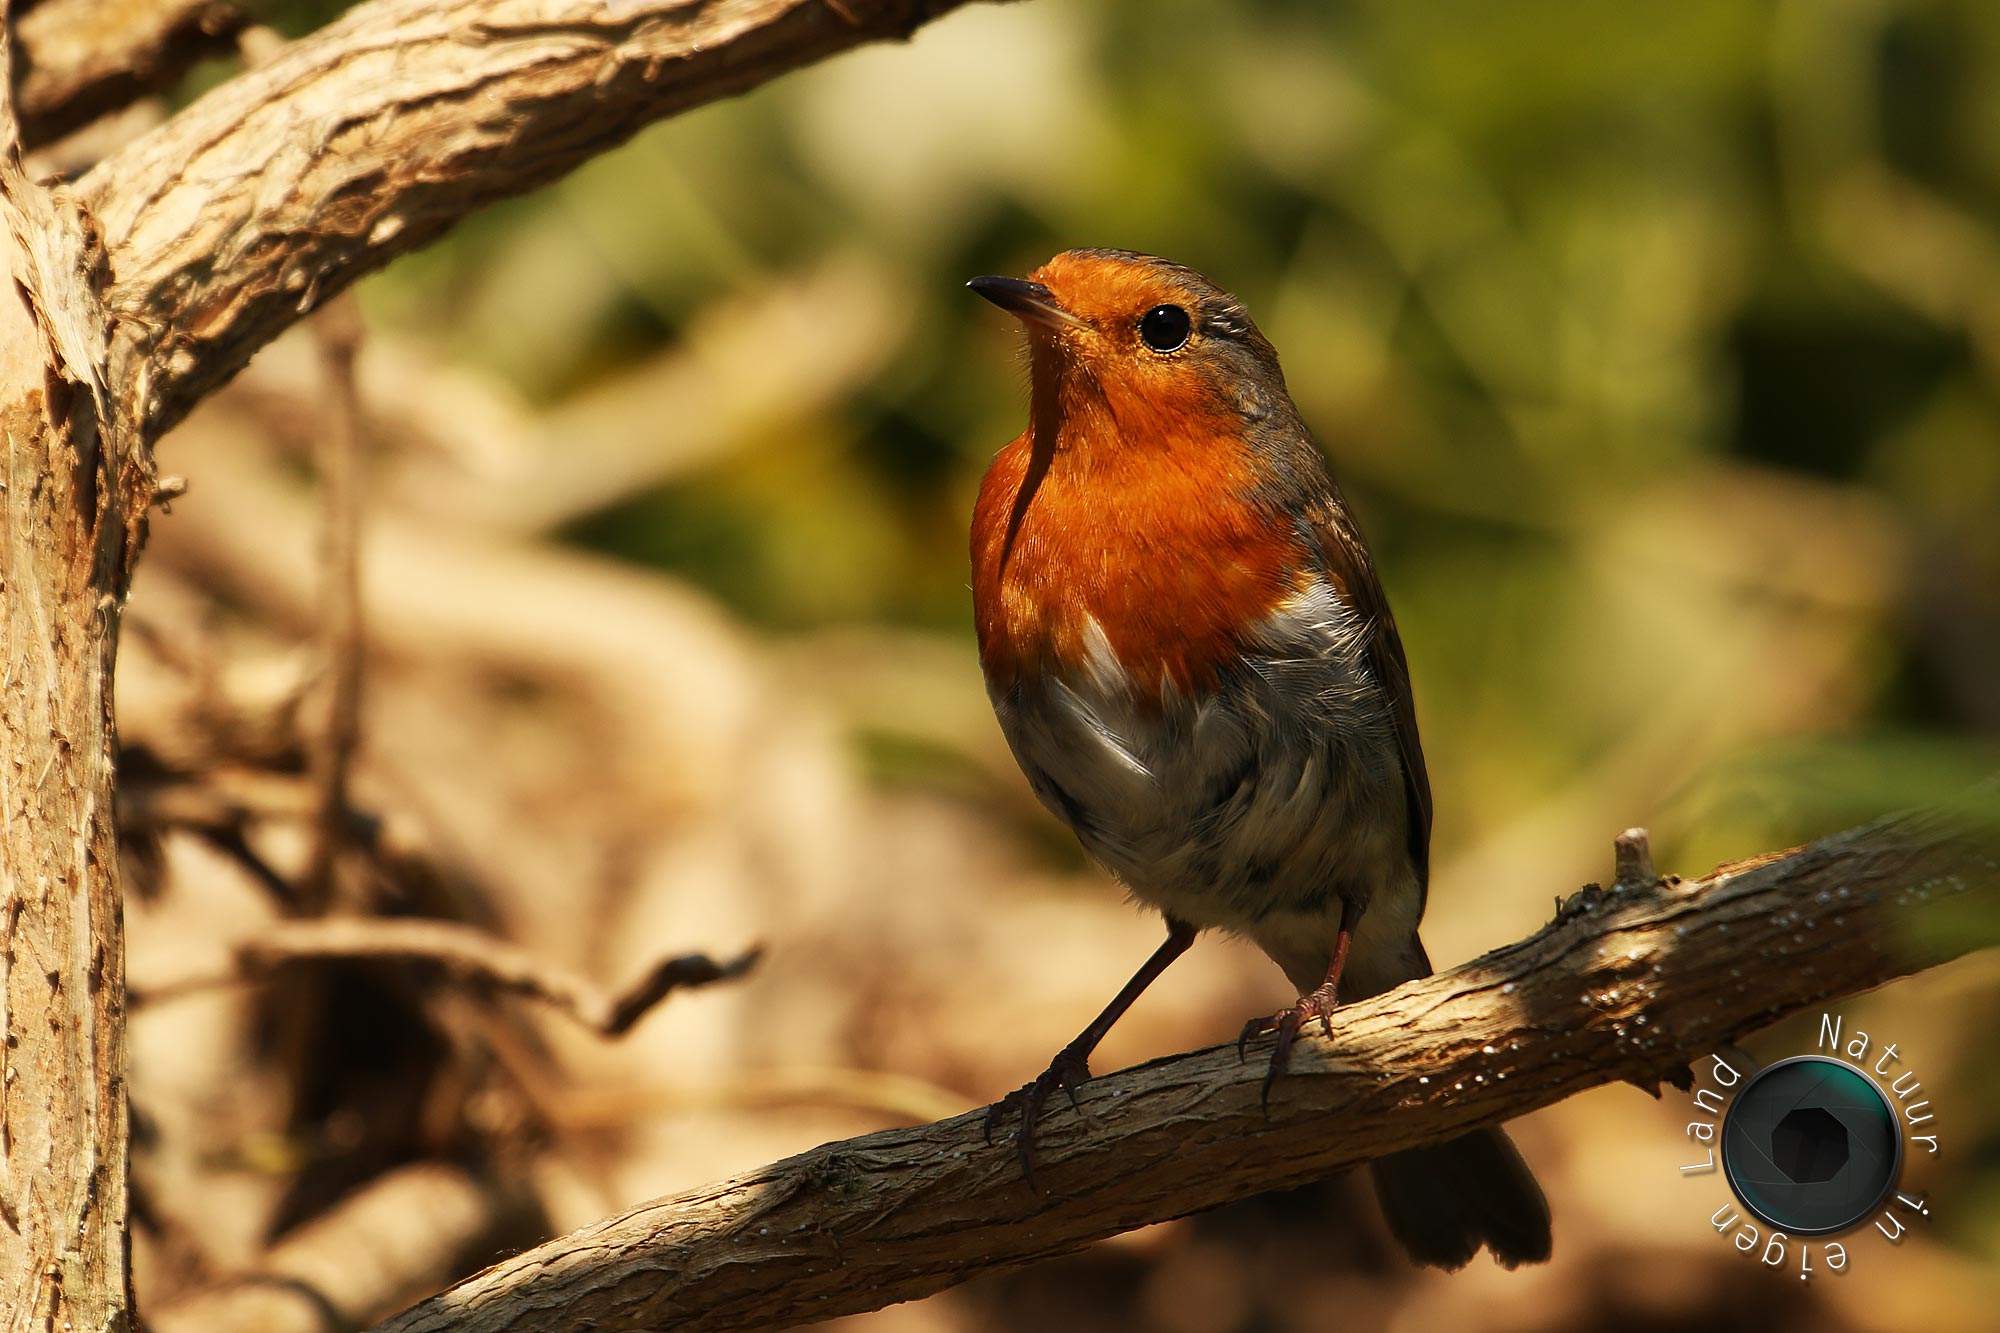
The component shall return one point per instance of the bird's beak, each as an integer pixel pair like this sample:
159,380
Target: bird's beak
1027,301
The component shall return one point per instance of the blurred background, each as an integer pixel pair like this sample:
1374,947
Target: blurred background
1659,352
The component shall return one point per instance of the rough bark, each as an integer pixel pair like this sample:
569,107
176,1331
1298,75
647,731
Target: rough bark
1628,983
73,494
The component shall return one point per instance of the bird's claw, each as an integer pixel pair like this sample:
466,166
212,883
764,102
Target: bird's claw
1068,1071
1286,1023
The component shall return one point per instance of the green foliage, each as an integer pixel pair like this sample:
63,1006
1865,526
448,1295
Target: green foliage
1644,338
1658,346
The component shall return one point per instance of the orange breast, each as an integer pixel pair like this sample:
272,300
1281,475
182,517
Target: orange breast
1161,546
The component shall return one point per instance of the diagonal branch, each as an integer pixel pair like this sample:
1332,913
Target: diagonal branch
1627,983
374,135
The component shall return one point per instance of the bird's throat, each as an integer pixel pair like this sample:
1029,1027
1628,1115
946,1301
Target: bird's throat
1150,547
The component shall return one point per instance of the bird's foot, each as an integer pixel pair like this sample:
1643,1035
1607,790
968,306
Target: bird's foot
1286,1023
1069,1071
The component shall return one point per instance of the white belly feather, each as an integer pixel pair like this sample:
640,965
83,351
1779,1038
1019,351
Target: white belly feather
1257,807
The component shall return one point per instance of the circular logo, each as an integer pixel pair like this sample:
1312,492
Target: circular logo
1811,1145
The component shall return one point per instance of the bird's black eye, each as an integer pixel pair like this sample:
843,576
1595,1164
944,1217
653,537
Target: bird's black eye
1165,328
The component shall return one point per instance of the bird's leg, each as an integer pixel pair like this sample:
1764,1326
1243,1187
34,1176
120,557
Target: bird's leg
1071,1067
1317,1003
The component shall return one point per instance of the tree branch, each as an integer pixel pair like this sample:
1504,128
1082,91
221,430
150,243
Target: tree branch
70,474
1625,984
339,452
468,955
374,135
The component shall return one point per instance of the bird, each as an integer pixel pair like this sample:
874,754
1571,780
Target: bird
1191,656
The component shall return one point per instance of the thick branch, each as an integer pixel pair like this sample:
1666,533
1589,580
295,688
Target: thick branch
69,476
374,135
1624,986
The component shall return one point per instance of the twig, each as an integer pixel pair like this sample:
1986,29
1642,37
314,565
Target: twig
468,956
668,976
1644,979
339,458
1633,860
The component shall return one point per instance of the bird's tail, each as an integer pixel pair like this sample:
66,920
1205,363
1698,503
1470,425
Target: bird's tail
1443,1203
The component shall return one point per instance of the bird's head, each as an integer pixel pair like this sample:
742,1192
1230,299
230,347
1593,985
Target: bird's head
1138,335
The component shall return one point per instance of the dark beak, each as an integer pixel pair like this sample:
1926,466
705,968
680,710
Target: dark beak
1028,301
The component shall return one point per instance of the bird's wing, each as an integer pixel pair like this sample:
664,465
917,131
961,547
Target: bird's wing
1354,574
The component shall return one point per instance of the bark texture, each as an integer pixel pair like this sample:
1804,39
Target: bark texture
73,494
1628,983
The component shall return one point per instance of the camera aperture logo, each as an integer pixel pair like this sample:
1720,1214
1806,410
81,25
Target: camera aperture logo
1812,1148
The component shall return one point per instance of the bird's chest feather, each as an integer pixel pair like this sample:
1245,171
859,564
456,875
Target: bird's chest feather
1152,564
1184,686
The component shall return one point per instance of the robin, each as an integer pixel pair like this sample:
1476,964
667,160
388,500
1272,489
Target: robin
1195,666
